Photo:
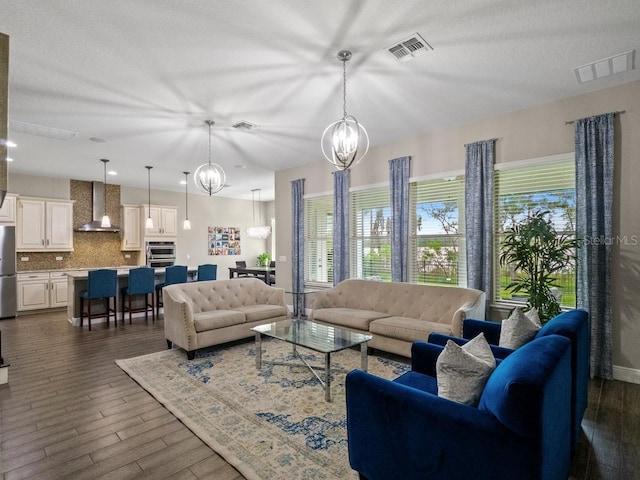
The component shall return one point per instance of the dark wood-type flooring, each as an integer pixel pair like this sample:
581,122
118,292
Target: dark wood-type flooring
69,412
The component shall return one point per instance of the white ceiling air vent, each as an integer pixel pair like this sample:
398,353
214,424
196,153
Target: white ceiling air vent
246,126
409,48
40,131
613,65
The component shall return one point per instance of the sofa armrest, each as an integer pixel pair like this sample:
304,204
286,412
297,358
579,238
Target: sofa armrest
470,309
472,328
179,327
395,431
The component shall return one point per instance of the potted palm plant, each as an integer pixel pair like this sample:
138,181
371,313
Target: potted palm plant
537,252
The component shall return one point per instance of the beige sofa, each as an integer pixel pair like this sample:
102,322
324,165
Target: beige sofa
397,314
201,314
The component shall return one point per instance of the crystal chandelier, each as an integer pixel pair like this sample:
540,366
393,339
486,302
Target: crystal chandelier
209,177
262,231
345,142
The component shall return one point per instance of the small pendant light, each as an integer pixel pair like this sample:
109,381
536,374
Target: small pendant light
187,223
106,221
149,223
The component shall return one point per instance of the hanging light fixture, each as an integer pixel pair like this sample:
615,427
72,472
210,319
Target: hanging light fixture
187,223
255,231
106,221
209,177
149,223
345,142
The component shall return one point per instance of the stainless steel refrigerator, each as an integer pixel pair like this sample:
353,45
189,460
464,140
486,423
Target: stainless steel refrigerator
8,285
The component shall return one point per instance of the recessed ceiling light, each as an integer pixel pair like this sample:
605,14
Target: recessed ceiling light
112,172
9,159
183,182
10,144
605,67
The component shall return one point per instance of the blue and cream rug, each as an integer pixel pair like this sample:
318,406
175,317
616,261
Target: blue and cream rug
272,423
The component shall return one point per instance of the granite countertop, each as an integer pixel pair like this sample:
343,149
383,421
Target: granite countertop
122,271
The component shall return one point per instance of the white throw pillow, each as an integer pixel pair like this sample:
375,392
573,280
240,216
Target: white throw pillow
519,328
462,372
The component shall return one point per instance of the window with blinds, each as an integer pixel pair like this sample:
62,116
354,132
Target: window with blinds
436,242
521,191
370,218
318,237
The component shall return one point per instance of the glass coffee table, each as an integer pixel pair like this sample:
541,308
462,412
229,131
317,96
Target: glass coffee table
320,338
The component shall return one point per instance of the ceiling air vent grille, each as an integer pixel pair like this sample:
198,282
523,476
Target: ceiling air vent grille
409,48
40,130
245,126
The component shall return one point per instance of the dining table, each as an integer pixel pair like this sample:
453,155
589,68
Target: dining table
265,273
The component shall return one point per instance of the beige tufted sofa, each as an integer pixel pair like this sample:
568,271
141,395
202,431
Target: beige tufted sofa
397,314
201,314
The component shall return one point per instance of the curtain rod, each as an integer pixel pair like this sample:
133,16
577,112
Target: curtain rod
494,139
571,122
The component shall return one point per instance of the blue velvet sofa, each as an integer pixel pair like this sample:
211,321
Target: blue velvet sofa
401,429
573,324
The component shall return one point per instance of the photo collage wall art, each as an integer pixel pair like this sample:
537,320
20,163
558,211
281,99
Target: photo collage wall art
224,241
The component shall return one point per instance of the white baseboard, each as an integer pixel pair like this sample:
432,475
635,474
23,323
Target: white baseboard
625,374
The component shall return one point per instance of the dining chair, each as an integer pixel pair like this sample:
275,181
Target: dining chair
141,282
207,271
101,284
173,274
272,277
242,264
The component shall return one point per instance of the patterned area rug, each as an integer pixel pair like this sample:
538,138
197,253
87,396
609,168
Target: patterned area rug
272,423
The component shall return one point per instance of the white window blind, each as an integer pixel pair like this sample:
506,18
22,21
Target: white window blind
436,242
318,235
370,218
522,191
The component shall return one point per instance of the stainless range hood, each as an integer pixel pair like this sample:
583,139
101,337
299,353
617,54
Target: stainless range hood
98,210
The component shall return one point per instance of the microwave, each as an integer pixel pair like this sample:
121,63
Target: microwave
160,254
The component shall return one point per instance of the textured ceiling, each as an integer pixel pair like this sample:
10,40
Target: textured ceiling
145,74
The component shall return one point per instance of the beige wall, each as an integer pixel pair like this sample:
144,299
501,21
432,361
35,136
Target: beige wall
531,133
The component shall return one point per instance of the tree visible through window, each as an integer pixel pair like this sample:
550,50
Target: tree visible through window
519,193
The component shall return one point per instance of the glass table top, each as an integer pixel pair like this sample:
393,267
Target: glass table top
315,336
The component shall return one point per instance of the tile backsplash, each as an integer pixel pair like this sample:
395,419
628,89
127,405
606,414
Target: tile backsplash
90,249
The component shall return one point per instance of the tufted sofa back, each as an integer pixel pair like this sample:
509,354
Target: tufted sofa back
424,302
225,294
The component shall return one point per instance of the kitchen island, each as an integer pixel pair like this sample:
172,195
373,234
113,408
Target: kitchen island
77,282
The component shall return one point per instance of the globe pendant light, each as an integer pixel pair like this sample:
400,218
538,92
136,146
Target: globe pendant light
187,223
209,177
262,231
345,142
106,221
149,223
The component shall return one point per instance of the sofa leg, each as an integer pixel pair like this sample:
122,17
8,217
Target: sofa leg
191,354
169,344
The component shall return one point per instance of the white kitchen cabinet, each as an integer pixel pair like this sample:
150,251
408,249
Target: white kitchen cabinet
165,221
33,291
131,233
8,210
42,290
44,225
58,289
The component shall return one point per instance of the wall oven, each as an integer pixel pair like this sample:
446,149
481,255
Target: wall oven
160,254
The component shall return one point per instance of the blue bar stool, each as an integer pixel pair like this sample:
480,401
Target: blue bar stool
101,284
207,271
141,282
172,275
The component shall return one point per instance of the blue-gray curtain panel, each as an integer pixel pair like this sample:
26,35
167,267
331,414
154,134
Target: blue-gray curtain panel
399,181
594,137
297,245
340,226
478,199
